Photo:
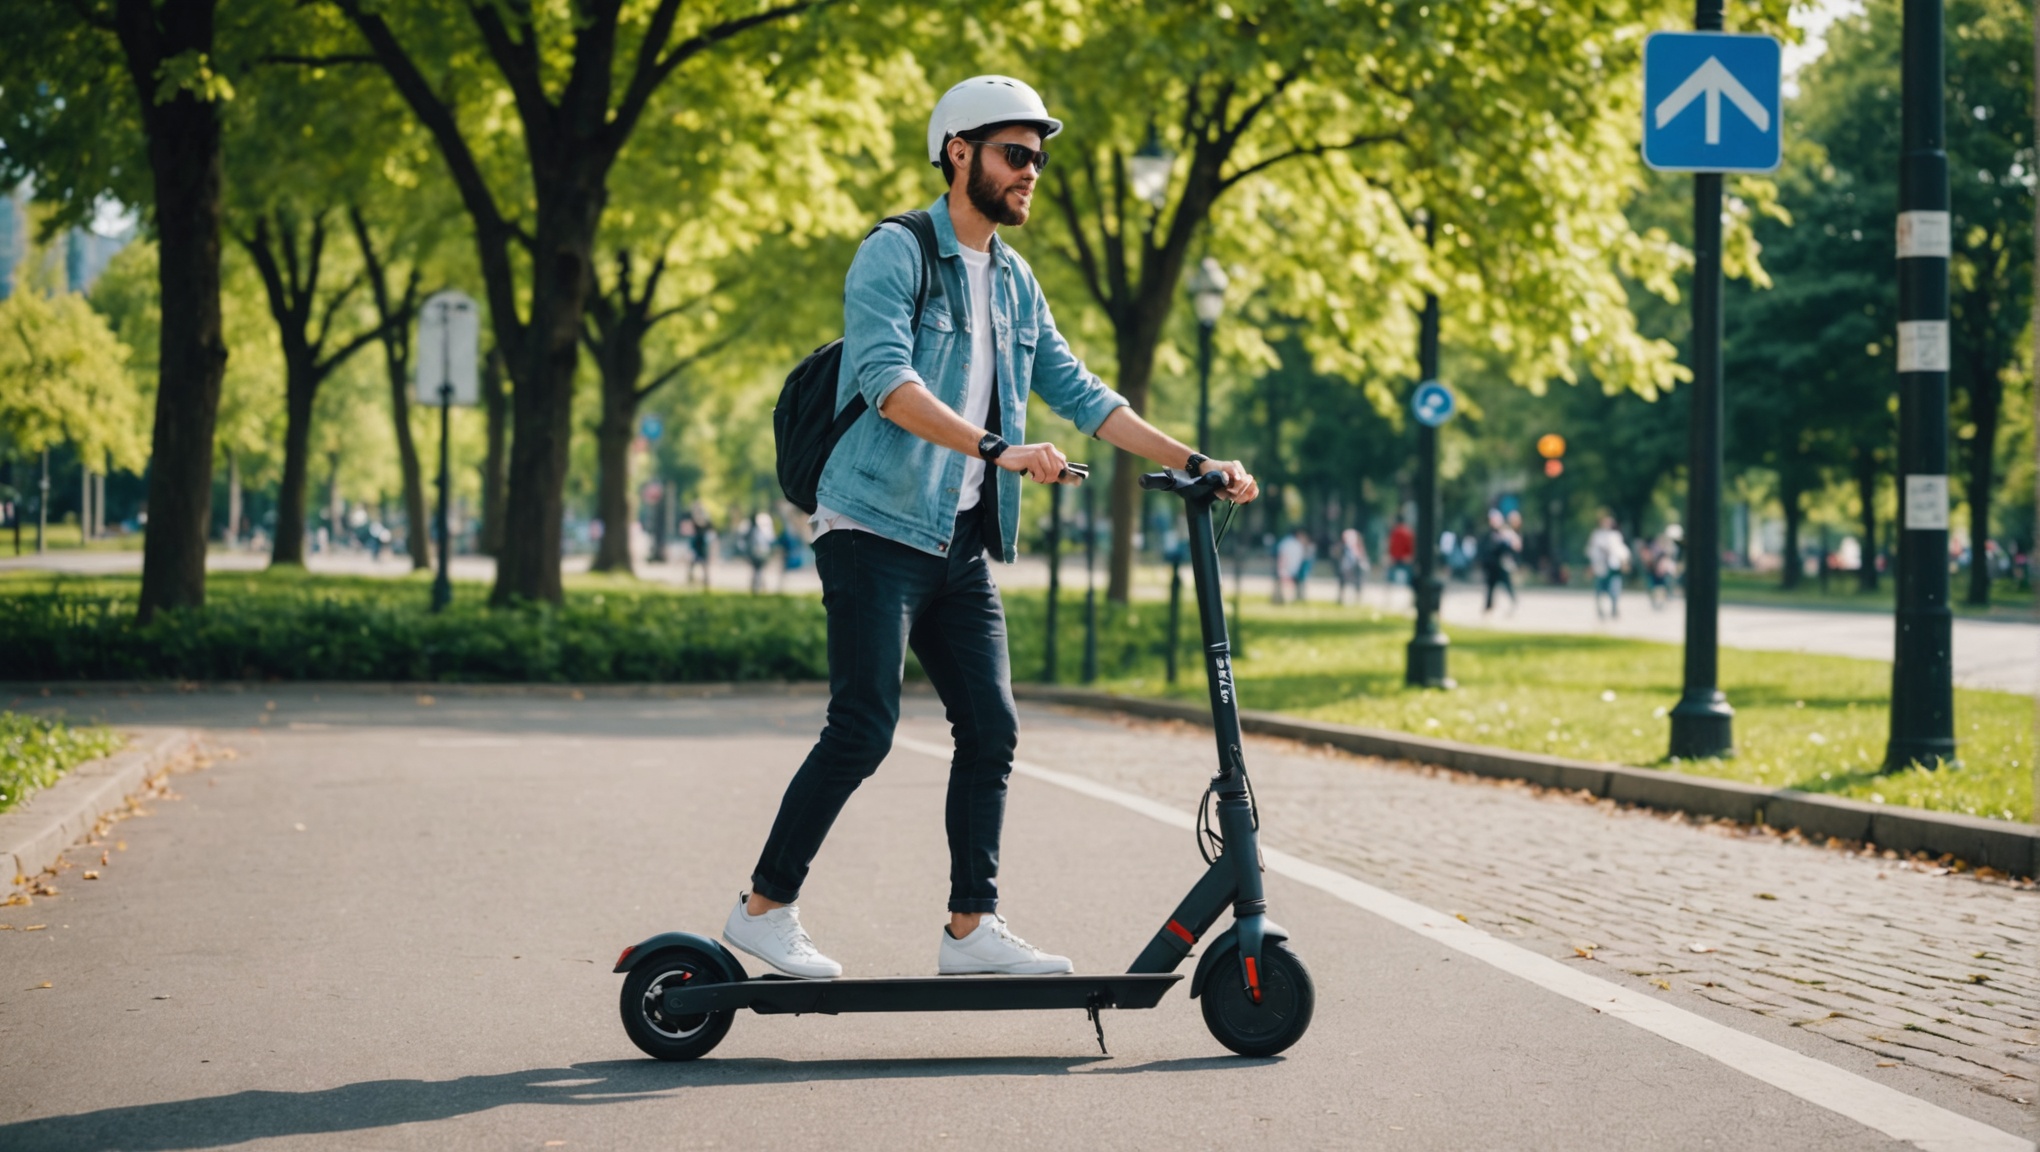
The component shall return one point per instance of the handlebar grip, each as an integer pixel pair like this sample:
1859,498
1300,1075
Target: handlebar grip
1157,481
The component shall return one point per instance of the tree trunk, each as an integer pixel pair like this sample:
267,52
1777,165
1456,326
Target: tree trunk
233,533
1136,371
621,357
1795,566
1866,494
1986,396
289,545
417,529
496,407
542,403
612,493
184,163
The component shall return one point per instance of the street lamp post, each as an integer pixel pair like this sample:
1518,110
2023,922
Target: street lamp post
1207,295
1150,169
1054,579
1090,587
1702,721
1922,685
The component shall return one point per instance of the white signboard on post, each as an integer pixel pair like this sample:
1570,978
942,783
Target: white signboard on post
449,349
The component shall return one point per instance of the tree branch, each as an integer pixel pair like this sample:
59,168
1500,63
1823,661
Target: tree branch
1362,141
646,77
519,63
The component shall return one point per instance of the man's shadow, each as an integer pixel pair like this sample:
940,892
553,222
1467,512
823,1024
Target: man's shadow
254,1115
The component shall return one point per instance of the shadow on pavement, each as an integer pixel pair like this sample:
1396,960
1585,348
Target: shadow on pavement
256,1115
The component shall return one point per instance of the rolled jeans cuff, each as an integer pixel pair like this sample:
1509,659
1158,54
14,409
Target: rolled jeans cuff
968,906
773,892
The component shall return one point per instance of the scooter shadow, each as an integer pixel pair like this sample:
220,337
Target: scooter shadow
239,1117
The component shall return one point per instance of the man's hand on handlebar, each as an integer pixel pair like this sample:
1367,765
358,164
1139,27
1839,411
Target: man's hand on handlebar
1042,463
1240,486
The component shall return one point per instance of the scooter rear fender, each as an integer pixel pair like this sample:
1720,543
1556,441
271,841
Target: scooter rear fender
636,953
1226,939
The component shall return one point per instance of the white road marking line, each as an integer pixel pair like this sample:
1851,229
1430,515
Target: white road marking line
1867,1102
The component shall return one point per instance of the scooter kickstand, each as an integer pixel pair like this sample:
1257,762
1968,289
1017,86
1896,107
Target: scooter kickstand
1098,1022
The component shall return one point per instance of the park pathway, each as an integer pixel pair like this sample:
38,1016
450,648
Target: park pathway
387,922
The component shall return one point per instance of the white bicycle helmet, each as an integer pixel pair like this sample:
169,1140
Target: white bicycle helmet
983,100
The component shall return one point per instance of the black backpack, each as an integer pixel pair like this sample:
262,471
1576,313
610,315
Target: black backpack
805,423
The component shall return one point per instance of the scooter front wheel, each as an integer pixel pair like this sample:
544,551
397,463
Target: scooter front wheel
1281,1016
651,1028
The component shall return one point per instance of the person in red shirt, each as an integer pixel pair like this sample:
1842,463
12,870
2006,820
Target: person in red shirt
1402,550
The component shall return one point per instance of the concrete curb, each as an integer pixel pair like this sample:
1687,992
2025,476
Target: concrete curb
35,833
2000,844
28,692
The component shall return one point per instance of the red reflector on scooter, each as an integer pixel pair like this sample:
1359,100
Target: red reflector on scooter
626,955
1253,980
1179,930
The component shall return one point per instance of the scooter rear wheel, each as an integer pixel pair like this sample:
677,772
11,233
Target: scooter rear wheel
1278,1020
664,1036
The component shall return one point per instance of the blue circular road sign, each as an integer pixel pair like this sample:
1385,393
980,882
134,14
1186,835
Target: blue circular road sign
1432,404
651,427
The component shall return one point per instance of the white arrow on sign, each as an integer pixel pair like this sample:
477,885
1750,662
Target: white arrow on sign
1713,81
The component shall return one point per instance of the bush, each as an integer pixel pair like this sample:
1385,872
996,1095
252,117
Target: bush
305,628
35,751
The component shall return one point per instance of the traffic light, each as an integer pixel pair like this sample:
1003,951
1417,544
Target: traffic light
1551,446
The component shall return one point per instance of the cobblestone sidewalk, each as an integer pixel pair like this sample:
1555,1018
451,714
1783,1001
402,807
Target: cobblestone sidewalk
1931,969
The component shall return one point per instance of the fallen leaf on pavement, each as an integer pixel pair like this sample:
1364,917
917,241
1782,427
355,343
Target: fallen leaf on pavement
92,875
44,984
35,928
425,701
1461,917
19,898
1699,947
1765,896
1664,984
105,858
1584,953
1887,1063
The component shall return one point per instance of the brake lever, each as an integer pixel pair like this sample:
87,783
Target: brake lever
1073,470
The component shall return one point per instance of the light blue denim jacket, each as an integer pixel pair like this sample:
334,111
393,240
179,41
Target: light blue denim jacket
885,477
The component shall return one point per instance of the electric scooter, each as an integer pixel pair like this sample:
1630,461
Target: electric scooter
681,991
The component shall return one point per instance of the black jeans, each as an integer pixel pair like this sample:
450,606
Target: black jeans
883,597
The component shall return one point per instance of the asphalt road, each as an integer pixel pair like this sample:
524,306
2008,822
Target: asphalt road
388,923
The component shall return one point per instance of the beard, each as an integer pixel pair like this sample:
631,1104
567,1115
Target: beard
988,197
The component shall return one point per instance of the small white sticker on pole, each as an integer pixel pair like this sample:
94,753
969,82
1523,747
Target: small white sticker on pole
1926,502
1923,234
1923,346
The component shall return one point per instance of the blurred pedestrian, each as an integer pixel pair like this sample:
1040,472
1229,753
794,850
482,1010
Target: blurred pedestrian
700,533
1402,549
1352,563
1292,566
1498,561
758,543
1608,558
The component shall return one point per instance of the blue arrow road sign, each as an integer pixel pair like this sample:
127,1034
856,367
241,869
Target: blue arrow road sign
1710,102
1432,404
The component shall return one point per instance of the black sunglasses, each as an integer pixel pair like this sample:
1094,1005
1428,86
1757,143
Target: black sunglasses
1017,155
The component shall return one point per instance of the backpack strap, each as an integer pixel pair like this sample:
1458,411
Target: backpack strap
922,225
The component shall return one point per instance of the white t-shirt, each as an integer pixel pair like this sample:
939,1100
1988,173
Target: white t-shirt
977,396
982,365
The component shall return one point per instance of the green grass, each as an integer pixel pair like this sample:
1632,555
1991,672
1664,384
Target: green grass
67,537
2008,601
1817,723
35,751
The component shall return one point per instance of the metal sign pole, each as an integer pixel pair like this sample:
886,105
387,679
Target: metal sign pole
1424,665
1702,721
1922,685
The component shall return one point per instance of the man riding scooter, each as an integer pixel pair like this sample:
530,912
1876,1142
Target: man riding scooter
911,500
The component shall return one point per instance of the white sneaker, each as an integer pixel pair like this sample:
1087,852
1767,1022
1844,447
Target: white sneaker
992,947
778,939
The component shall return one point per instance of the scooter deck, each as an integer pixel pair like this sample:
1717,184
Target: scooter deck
779,995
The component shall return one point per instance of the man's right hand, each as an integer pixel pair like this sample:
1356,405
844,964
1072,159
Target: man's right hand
1042,463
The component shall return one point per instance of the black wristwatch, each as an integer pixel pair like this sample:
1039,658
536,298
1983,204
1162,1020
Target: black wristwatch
991,446
1190,465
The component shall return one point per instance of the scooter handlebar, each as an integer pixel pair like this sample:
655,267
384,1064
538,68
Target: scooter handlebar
1180,481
